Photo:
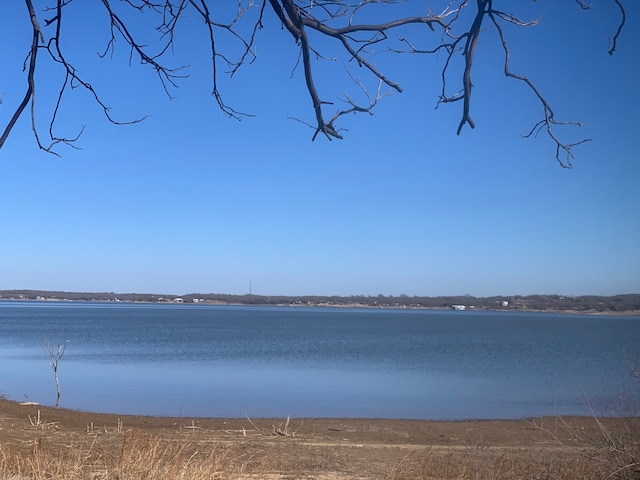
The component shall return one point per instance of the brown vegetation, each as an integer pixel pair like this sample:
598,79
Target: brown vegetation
39,442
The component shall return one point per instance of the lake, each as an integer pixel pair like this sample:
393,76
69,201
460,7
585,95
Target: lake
232,361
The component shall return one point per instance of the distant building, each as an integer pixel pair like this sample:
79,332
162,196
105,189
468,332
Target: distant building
178,300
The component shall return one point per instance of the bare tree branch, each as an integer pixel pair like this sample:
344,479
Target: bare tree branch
614,41
469,52
359,29
548,121
33,52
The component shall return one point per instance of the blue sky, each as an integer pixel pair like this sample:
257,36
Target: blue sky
191,201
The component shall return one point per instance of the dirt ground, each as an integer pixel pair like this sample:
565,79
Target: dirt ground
309,448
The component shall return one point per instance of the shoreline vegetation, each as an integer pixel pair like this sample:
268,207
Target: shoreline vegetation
45,442
628,304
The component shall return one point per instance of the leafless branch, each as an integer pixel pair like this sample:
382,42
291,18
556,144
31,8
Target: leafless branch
32,57
167,76
548,122
348,26
469,52
614,41
583,5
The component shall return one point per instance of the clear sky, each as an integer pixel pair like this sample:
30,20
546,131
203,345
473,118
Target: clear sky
191,201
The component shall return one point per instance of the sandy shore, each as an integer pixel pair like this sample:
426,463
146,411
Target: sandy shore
309,448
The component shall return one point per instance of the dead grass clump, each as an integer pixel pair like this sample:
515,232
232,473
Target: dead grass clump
610,443
479,462
624,449
613,451
33,461
153,457
142,456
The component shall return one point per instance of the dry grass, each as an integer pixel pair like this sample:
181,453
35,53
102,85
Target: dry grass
138,455
614,451
486,463
613,454
135,455
557,449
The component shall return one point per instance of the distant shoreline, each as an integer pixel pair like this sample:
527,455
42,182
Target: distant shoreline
319,302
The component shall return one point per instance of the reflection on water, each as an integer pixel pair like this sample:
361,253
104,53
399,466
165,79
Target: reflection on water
196,360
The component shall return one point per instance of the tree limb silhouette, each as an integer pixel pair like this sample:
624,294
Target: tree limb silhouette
359,29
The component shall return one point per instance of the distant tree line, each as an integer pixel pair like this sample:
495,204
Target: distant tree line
584,303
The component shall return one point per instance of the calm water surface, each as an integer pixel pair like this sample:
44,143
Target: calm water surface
200,360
